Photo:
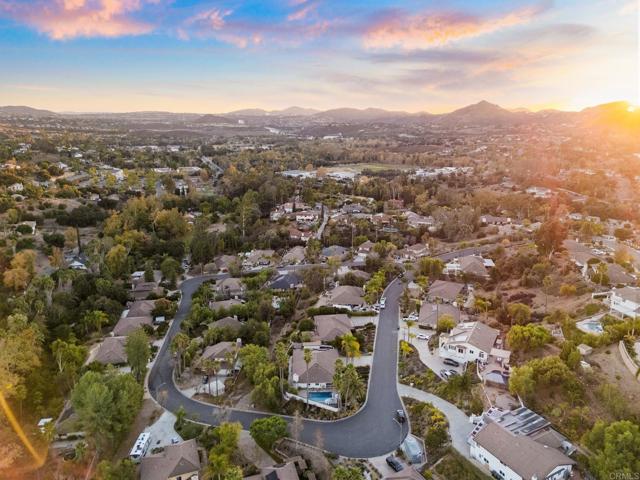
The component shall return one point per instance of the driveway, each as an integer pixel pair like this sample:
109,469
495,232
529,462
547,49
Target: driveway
431,360
459,425
372,431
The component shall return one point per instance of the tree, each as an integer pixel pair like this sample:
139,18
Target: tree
615,447
228,435
179,346
342,472
482,305
445,323
528,337
20,351
549,373
94,319
410,324
550,236
170,224
567,290
350,346
120,470
248,210
375,286
547,283
601,274
519,313
430,267
117,261
21,271
170,268
267,431
348,383
308,356
281,356
211,368
69,358
138,353
106,404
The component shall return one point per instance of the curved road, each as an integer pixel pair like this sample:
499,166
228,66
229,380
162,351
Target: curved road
372,431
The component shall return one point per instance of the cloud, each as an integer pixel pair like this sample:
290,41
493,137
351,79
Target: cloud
303,12
67,19
431,29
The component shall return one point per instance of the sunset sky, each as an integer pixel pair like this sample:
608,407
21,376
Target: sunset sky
217,56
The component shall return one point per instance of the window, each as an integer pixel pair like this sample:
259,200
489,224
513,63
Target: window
471,352
481,354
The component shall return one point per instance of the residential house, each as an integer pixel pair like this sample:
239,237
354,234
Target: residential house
346,296
288,470
617,275
110,351
625,301
412,253
175,462
539,192
300,235
446,291
518,457
287,281
493,220
329,327
230,287
307,217
142,290
365,247
468,342
318,374
431,312
224,304
294,256
221,352
415,220
231,323
140,308
258,258
470,265
335,251
224,262
127,324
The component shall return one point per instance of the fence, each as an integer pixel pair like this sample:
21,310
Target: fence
628,361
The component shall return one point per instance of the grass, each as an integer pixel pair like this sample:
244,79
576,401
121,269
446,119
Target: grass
454,466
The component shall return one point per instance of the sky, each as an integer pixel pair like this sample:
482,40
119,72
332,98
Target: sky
222,55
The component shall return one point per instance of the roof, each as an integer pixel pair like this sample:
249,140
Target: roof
429,311
145,286
347,295
111,351
180,459
630,294
227,322
445,290
229,284
521,454
280,472
126,325
219,351
476,334
617,274
286,281
321,367
296,254
473,265
334,251
328,327
141,308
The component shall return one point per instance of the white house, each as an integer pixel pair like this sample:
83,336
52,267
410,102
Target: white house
468,342
625,301
518,457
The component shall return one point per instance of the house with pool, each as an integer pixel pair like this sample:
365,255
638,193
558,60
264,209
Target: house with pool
624,301
314,381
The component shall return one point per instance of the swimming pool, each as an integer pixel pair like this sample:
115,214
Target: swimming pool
321,397
590,326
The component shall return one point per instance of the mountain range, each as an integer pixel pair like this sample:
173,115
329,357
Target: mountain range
481,113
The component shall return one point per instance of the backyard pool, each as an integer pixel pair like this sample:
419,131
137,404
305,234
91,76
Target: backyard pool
321,397
590,326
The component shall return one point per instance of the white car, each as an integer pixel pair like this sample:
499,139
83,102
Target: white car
423,336
383,301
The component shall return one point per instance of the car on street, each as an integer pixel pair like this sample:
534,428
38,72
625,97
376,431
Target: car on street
450,362
423,336
394,463
383,301
400,416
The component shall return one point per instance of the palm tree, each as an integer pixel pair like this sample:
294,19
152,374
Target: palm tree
179,344
410,324
282,361
211,368
351,385
308,356
350,346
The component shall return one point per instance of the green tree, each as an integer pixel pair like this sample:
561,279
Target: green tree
106,404
267,431
20,354
350,346
170,268
248,210
445,323
117,261
342,472
170,224
430,267
308,357
519,313
138,353
211,368
550,236
616,449
69,358
528,337
281,356
375,286
120,470
179,346
96,319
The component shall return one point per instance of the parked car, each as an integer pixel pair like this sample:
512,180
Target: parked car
451,362
445,374
400,416
383,301
423,336
394,463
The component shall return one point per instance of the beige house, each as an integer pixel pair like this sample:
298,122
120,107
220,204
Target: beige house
176,462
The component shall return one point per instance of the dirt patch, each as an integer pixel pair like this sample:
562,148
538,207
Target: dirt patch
609,368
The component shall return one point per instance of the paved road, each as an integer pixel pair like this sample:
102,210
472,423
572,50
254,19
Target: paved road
372,431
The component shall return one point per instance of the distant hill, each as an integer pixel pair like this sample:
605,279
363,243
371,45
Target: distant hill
216,119
346,115
22,111
295,112
482,113
248,112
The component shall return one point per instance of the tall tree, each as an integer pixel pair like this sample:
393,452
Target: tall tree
138,353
